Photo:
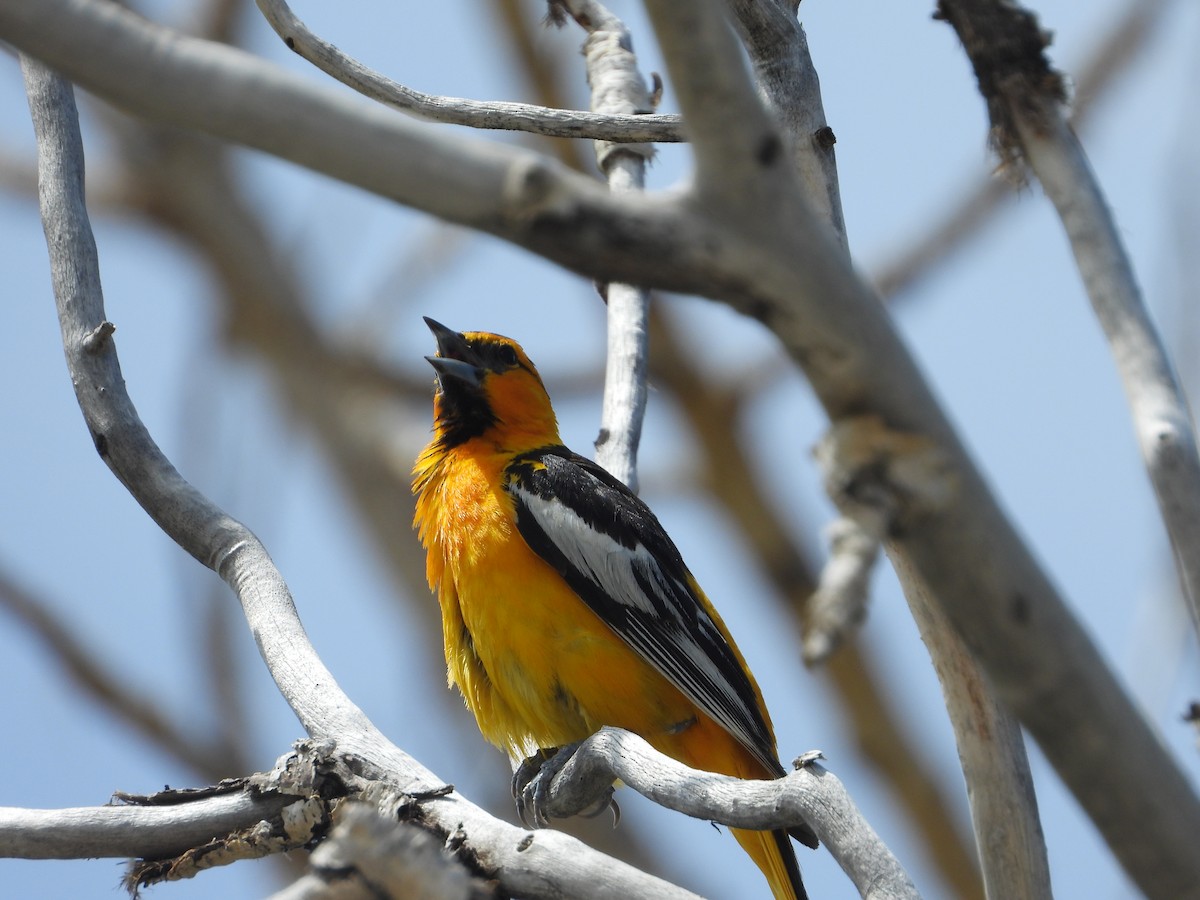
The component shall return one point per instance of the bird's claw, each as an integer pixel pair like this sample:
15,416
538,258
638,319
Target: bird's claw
608,802
531,784
531,788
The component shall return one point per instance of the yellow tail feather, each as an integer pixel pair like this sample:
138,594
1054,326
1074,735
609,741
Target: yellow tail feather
772,853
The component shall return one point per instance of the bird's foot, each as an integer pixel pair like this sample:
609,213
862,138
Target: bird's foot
531,785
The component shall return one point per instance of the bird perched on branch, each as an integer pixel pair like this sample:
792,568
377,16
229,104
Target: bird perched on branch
565,605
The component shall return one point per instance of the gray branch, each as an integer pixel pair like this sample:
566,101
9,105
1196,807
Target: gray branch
632,126
369,855
130,831
1004,810
787,79
1162,419
617,86
883,478
807,794
122,441
1025,98
838,606
695,47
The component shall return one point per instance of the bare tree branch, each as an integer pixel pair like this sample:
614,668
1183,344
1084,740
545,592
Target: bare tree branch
787,79
991,750
692,61
369,855
617,87
131,831
807,794
313,780
207,533
785,74
839,604
1161,417
634,126
1024,96
999,783
872,473
729,472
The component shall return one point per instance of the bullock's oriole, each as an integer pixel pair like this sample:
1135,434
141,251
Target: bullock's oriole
565,605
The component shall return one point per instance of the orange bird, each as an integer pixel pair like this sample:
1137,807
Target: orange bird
565,605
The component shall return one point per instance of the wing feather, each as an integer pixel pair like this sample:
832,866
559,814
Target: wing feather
612,551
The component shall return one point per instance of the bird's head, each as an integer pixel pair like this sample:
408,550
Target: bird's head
488,387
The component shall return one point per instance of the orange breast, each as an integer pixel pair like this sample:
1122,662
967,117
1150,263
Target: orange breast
535,665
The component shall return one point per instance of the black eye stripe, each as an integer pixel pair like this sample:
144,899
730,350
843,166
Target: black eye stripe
498,357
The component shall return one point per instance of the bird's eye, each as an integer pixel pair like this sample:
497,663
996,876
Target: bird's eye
508,355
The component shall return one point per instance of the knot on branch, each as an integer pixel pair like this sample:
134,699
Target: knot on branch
294,806
883,479
531,190
617,87
1006,46
97,340
306,782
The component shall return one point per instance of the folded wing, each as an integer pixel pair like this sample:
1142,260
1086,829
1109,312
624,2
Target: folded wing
612,551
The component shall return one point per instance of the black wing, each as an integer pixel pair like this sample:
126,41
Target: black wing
612,551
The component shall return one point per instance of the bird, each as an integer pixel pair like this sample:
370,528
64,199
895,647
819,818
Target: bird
565,605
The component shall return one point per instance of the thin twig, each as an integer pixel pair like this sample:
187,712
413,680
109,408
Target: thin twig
617,86
1162,418
634,127
839,604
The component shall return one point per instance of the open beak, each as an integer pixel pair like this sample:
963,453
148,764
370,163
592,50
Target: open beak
455,357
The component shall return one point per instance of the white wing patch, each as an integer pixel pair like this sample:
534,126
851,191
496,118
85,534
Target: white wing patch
655,625
595,554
